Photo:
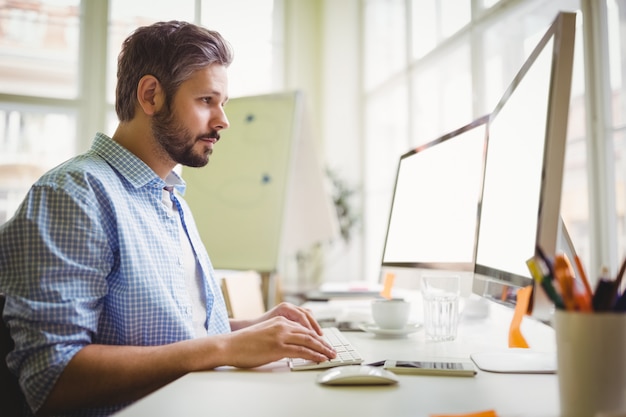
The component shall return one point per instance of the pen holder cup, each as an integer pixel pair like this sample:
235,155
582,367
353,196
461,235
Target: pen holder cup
591,362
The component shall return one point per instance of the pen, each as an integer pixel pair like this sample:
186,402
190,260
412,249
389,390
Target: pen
620,304
545,259
603,297
542,277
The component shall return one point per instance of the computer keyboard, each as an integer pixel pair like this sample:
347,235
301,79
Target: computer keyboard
346,353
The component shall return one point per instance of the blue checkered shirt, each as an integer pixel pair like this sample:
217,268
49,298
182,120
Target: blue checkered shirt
93,256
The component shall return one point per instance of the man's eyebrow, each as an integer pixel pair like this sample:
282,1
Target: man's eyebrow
212,93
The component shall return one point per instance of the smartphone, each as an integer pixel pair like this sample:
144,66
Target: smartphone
462,368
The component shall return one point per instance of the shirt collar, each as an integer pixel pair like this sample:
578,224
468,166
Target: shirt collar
131,167
174,180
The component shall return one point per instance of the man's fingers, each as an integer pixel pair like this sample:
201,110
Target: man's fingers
316,343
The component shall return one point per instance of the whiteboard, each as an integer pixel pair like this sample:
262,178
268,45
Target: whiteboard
254,188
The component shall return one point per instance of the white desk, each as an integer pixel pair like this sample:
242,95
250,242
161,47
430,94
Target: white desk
273,390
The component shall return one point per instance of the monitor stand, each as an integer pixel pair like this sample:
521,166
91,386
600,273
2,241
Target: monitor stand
516,361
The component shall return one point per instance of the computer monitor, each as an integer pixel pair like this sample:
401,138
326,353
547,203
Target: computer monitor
434,209
521,196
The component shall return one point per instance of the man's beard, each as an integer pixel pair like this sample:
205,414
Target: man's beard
176,140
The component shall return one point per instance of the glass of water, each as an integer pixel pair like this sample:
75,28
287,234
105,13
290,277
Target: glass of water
440,295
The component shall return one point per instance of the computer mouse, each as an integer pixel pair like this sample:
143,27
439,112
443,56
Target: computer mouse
357,375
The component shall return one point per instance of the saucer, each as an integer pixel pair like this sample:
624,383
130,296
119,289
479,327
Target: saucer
407,330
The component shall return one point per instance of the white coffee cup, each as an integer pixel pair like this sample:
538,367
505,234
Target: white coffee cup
391,313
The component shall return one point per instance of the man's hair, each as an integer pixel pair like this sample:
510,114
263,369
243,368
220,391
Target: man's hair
171,52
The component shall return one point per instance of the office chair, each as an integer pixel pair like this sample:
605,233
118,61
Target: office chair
11,397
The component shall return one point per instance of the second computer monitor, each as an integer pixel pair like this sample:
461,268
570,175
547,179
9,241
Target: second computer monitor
434,210
520,205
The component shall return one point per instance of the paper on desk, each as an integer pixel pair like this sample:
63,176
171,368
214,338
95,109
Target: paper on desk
485,413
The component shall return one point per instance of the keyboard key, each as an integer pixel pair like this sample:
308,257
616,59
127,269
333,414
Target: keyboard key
346,353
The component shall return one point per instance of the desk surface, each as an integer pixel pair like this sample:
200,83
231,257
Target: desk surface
273,390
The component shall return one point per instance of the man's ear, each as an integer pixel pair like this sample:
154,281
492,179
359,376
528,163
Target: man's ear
149,94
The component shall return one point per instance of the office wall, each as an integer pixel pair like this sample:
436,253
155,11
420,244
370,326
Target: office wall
323,59
341,120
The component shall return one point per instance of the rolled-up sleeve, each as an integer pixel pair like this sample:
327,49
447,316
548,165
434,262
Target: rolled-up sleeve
53,267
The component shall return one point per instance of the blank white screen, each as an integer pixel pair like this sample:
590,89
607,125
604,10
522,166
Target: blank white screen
434,211
507,234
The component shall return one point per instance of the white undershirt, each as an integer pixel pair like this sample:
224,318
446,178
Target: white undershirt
193,276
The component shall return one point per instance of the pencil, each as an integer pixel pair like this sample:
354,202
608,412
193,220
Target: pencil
563,275
583,276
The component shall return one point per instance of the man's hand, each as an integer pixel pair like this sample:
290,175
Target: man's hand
285,331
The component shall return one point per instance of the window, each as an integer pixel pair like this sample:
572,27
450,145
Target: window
250,28
49,109
617,53
39,44
384,41
39,47
458,63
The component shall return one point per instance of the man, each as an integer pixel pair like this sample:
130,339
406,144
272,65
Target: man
110,292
